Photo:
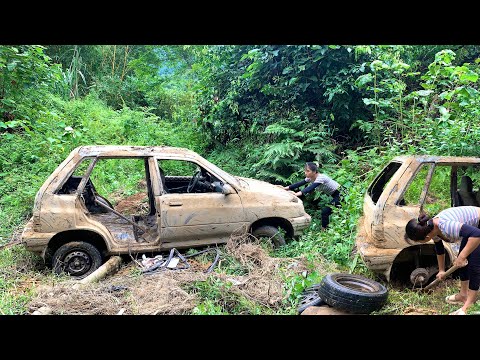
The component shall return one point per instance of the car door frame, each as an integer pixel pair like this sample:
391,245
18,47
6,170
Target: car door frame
178,228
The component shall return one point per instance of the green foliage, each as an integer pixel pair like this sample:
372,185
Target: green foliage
415,111
291,99
257,111
27,159
14,294
26,78
218,299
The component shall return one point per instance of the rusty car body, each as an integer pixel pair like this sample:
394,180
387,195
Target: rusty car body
405,187
75,229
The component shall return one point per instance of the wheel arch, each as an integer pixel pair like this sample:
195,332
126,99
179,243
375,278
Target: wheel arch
412,257
64,237
276,222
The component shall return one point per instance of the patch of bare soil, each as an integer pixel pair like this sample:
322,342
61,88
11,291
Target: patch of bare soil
163,292
134,204
419,311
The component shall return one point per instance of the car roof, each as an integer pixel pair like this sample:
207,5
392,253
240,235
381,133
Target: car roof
437,159
128,150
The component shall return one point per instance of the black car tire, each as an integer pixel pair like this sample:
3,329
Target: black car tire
352,293
76,258
270,232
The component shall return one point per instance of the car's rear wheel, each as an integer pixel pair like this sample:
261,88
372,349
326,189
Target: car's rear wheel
271,232
76,258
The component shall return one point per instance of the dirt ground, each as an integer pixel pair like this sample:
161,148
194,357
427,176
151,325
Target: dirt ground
174,291
128,291
134,204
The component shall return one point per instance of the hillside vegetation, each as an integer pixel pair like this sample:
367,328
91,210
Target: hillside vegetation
256,111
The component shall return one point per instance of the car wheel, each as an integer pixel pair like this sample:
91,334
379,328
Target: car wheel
77,258
270,232
352,293
309,299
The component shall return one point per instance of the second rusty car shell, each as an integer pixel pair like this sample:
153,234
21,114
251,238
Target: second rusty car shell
381,239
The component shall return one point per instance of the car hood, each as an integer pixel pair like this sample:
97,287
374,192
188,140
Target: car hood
265,188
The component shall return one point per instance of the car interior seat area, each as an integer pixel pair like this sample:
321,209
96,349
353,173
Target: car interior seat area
465,192
89,194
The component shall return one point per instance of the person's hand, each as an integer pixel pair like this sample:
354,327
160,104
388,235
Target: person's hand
460,261
299,193
440,275
286,188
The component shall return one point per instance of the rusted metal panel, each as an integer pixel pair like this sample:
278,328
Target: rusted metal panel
178,220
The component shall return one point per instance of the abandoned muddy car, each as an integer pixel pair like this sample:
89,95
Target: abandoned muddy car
181,200
404,188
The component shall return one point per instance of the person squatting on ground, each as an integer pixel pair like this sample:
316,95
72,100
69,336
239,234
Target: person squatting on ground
322,183
455,224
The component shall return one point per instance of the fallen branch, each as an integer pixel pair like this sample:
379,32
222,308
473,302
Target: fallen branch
113,264
12,243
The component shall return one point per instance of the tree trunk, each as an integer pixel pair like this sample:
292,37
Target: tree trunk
112,265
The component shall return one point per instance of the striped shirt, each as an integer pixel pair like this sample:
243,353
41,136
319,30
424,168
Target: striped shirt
451,220
327,184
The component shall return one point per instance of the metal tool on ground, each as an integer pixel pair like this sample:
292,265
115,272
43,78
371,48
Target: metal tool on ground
436,281
162,265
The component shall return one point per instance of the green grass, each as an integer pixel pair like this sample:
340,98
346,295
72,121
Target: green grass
20,272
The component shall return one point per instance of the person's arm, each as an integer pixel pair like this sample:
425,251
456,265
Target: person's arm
296,185
309,188
440,251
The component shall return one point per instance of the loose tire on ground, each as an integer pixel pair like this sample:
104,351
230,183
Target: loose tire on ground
270,232
76,258
353,293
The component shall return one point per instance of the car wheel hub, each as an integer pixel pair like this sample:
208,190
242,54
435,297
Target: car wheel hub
77,263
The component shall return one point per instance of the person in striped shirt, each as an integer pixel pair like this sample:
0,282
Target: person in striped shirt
322,183
456,224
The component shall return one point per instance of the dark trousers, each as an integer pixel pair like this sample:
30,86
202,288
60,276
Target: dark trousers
327,210
472,270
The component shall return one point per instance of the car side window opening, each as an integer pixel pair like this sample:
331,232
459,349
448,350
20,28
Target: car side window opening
124,182
438,195
181,176
71,185
117,183
377,186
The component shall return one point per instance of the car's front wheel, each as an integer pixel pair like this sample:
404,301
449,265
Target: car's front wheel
270,232
76,258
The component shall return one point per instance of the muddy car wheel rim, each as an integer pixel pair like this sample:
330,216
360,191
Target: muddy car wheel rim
77,263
